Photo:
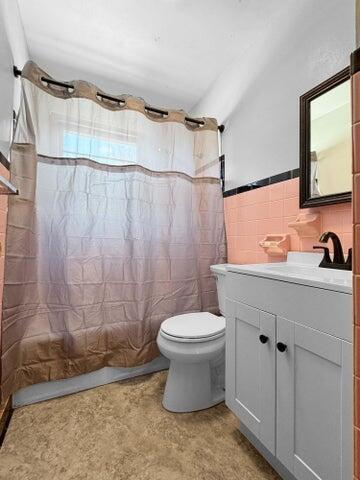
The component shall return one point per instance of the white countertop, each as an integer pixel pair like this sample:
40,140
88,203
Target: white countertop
302,268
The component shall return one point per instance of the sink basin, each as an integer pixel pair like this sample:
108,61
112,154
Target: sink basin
300,267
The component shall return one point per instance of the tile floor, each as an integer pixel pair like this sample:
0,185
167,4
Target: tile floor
121,432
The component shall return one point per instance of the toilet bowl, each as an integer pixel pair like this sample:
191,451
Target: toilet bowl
195,345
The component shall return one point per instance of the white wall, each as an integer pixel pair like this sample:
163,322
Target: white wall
13,29
67,72
257,96
7,91
11,19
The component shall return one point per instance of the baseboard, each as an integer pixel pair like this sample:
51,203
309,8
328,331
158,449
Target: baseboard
59,388
269,457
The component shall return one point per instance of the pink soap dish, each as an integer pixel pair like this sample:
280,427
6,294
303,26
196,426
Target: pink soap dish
276,245
306,225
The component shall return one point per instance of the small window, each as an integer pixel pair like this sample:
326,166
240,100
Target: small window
109,152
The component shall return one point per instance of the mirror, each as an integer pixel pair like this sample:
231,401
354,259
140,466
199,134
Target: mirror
325,142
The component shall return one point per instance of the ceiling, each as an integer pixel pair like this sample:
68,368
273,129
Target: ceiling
164,50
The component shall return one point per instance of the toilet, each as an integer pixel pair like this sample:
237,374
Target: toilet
195,345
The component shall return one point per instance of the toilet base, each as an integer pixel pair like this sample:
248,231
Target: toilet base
196,376
189,388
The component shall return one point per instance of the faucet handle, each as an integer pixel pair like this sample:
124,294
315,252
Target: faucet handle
338,257
326,261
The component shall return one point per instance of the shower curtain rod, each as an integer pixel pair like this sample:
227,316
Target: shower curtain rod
17,72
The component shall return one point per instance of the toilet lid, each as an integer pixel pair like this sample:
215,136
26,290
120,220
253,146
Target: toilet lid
194,325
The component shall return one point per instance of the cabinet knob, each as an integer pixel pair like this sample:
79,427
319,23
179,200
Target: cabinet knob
263,338
281,346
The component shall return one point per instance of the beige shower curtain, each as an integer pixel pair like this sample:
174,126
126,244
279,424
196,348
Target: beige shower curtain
118,220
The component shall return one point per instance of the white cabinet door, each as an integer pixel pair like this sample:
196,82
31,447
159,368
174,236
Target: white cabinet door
313,403
250,369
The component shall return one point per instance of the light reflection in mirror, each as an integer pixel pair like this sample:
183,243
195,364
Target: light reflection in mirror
330,142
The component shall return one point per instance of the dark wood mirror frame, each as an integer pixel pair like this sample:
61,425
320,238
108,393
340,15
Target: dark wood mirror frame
305,198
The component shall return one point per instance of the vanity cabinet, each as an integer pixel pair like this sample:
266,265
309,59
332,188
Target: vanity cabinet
251,363
313,406
290,384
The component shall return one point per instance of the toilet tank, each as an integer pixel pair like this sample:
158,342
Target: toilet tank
220,273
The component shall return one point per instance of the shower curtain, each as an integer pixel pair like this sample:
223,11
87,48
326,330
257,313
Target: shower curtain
118,219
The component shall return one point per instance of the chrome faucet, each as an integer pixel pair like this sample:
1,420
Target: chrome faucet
338,260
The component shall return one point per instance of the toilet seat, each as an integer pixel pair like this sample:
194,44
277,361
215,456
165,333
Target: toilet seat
193,327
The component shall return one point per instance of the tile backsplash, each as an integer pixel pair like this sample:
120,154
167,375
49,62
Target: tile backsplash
356,278
251,215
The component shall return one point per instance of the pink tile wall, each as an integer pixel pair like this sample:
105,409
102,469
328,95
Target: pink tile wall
356,278
251,215
3,214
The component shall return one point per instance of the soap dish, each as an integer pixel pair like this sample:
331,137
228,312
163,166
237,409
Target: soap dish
306,225
276,245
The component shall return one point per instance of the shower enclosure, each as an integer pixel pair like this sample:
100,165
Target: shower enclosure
118,219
